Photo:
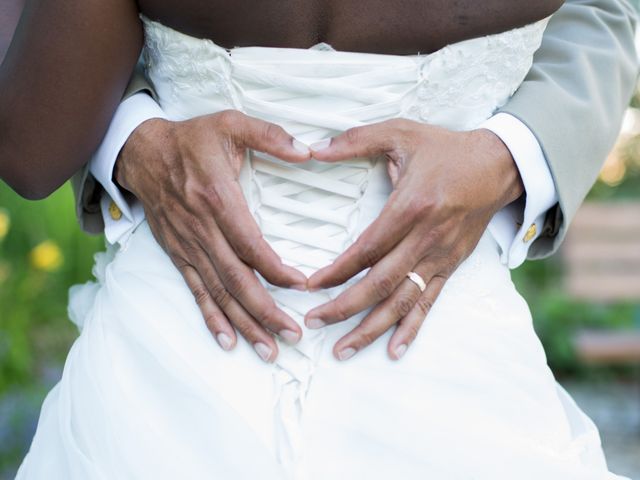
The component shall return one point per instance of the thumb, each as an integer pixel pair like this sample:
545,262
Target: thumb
269,138
367,141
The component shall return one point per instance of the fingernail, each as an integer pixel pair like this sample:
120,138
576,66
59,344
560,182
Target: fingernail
321,145
315,323
301,286
299,146
263,350
224,340
400,351
346,354
289,336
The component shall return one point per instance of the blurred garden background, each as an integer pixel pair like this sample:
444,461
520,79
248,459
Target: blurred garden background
43,252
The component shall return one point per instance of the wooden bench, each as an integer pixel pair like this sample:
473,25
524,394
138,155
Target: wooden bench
608,347
602,264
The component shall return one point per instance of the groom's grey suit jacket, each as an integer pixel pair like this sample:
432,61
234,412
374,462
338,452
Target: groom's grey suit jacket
573,101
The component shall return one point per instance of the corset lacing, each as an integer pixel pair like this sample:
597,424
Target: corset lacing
310,213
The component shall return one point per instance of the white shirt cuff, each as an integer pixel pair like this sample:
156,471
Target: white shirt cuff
121,216
517,225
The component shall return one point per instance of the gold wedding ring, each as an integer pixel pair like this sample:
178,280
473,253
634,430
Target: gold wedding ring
417,279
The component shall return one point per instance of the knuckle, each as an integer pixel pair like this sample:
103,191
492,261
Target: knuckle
211,320
437,238
399,123
398,203
214,199
449,267
341,309
190,249
179,261
414,134
352,135
234,280
442,203
428,241
247,330
270,317
220,295
248,248
383,287
194,226
419,205
228,117
403,305
201,294
273,132
370,255
424,305
443,277
366,337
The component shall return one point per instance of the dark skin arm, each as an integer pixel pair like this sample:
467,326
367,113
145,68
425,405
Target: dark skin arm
10,11
60,82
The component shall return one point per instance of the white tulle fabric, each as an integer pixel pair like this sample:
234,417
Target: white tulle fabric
146,392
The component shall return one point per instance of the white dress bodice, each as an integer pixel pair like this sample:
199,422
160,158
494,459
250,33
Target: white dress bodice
310,213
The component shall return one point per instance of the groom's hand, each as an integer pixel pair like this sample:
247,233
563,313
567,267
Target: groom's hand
447,187
186,176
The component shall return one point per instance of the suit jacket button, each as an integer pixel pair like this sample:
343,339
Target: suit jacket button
531,232
114,211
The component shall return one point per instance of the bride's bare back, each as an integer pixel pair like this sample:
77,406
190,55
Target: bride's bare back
69,61
399,27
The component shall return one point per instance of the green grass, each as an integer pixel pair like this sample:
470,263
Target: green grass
34,329
35,333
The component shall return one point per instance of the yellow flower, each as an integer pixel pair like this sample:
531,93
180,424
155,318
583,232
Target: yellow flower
5,222
46,256
614,170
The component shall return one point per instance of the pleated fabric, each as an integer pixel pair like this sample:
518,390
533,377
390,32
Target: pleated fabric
147,393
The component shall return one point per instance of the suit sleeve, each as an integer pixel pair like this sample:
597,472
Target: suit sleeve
87,190
573,101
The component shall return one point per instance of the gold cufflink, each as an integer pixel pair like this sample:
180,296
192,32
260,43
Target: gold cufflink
114,211
531,232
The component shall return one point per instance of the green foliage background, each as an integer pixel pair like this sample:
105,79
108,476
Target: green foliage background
34,330
35,333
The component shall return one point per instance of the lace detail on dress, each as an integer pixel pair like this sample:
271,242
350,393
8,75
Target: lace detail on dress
196,66
472,75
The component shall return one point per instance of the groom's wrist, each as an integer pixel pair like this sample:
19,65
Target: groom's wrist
519,224
508,182
146,141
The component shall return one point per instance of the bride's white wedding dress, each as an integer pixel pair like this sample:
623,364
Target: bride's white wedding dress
147,393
